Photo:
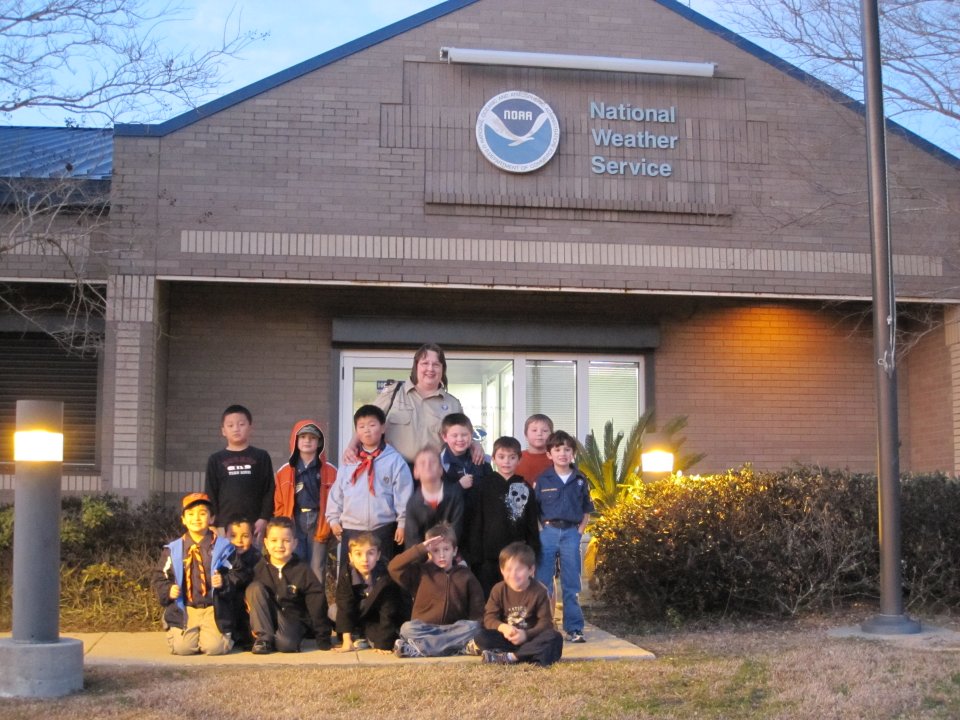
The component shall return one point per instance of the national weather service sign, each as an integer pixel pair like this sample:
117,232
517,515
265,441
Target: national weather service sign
517,131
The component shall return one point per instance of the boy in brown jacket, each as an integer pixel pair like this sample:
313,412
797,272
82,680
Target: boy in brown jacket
448,600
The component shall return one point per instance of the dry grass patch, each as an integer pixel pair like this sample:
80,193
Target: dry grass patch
727,670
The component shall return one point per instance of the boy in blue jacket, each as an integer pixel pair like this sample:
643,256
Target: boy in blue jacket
195,582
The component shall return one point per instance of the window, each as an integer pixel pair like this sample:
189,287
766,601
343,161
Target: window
499,391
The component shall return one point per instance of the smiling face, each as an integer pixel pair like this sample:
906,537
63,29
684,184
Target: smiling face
280,544
236,430
458,438
197,520
364,558
562,456
429,371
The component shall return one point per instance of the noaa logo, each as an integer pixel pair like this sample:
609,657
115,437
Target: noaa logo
517,131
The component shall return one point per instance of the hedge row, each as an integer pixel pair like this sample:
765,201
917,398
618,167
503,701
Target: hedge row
766,543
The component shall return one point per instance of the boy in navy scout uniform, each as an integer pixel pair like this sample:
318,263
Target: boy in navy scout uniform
195,582
565,506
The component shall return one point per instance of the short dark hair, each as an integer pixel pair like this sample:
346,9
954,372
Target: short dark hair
239,520
442,530
537,417
561,438
418,356
453,419
519,551
507,443
280,521
236,409
364,538
369,411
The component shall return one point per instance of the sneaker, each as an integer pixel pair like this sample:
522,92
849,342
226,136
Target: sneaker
498,657
323,643
576,637
404,649
470,648
361,644
262,646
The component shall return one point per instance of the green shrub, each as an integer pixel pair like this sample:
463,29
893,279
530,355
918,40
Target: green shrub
772,543
107,551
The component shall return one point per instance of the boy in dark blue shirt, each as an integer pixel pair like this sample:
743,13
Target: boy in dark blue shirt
563,493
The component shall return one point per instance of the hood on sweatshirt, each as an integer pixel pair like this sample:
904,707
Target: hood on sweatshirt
298,429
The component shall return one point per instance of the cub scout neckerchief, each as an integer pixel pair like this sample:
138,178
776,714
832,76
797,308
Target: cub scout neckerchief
366,463
195,557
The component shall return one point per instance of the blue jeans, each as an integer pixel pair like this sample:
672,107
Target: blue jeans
439,640
308,549
564,544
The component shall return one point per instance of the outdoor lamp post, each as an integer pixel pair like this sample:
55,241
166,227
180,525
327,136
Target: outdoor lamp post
657,456
36,662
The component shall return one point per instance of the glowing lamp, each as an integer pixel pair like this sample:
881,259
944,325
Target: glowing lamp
37,446
657,457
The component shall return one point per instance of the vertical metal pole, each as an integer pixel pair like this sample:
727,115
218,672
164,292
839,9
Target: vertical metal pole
36,533
891,619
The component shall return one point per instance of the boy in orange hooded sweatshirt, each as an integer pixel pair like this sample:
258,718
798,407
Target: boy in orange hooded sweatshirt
302,486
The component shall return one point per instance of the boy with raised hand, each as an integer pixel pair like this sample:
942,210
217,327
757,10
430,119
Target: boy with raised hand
370,495
517,622
563,494
456,457
448,600
285,598
534,460
302,487
195,582
433,502
369,603
504,510
239,478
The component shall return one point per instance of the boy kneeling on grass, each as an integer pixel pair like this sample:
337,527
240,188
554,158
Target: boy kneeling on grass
195,582
448,599
285,598
517,622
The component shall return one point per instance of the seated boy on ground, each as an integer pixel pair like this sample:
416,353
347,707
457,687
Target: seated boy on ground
286,598
369,603
448,600
240,533
517,623
195,581
434,502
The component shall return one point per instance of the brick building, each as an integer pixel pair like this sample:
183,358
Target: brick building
695,244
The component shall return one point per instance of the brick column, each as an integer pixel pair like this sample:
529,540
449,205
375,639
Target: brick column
951,321
129,393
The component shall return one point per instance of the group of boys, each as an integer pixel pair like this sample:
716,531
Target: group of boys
468,580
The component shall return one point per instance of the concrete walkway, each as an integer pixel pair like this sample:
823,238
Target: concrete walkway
150,649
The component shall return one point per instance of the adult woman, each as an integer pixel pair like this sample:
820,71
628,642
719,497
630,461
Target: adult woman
415,407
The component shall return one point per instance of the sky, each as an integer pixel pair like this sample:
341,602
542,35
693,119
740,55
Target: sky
298,31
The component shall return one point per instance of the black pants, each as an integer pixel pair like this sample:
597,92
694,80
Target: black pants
269,623
545,649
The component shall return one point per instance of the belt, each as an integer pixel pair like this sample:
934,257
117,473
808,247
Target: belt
309,510
561,524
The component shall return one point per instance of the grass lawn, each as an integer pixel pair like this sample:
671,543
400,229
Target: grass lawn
717,670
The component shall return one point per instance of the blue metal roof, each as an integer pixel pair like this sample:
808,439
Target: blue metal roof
56,152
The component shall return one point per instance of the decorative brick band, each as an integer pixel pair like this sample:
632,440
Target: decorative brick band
543,252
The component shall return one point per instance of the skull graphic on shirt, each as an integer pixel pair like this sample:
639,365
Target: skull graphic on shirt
518,495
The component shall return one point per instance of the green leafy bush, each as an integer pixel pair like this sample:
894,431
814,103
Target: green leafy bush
772,543
107,551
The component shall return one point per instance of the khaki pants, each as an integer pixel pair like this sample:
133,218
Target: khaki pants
201,635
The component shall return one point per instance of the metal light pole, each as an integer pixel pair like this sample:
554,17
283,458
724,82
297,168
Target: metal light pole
36,662
891,620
